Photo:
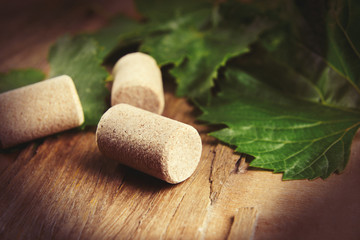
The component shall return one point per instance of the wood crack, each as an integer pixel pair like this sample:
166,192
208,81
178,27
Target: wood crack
244,224
222,166
212,194
241,164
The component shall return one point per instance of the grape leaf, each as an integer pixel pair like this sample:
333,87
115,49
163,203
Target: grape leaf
344,40
300,138
298,110
311,79
199,50
80,58
174,43
307,47
19,78
121,32
196,73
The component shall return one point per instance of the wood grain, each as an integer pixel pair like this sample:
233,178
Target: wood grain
244,224
61,187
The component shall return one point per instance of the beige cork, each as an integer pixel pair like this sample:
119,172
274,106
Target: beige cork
138,82
38,110
159,146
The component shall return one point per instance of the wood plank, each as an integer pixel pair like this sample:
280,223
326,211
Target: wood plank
243,227
61,187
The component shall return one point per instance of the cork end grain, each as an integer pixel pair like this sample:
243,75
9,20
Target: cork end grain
156,145
182,154
39,110
149,100
138,82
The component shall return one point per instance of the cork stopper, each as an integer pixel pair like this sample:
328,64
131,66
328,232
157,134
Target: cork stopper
138,82
164,148
38,110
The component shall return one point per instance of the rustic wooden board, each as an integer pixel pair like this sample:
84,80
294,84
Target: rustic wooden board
61,187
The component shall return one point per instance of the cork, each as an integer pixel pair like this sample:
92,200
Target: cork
161,147
138,82
38,110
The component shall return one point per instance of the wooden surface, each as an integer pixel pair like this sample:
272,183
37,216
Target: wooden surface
61,187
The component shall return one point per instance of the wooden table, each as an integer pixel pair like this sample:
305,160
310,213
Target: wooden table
61,187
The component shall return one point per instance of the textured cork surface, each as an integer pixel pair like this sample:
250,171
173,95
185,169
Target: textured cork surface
159,146
38,110
138,82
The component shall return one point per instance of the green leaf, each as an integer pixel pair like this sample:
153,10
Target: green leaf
19,78
121,32
344,40
178,40
300,138
311,79
199,50
298,59
80,58
298,111
210,51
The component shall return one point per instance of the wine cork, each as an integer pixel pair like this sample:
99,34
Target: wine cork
38,110
138,82
159,146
